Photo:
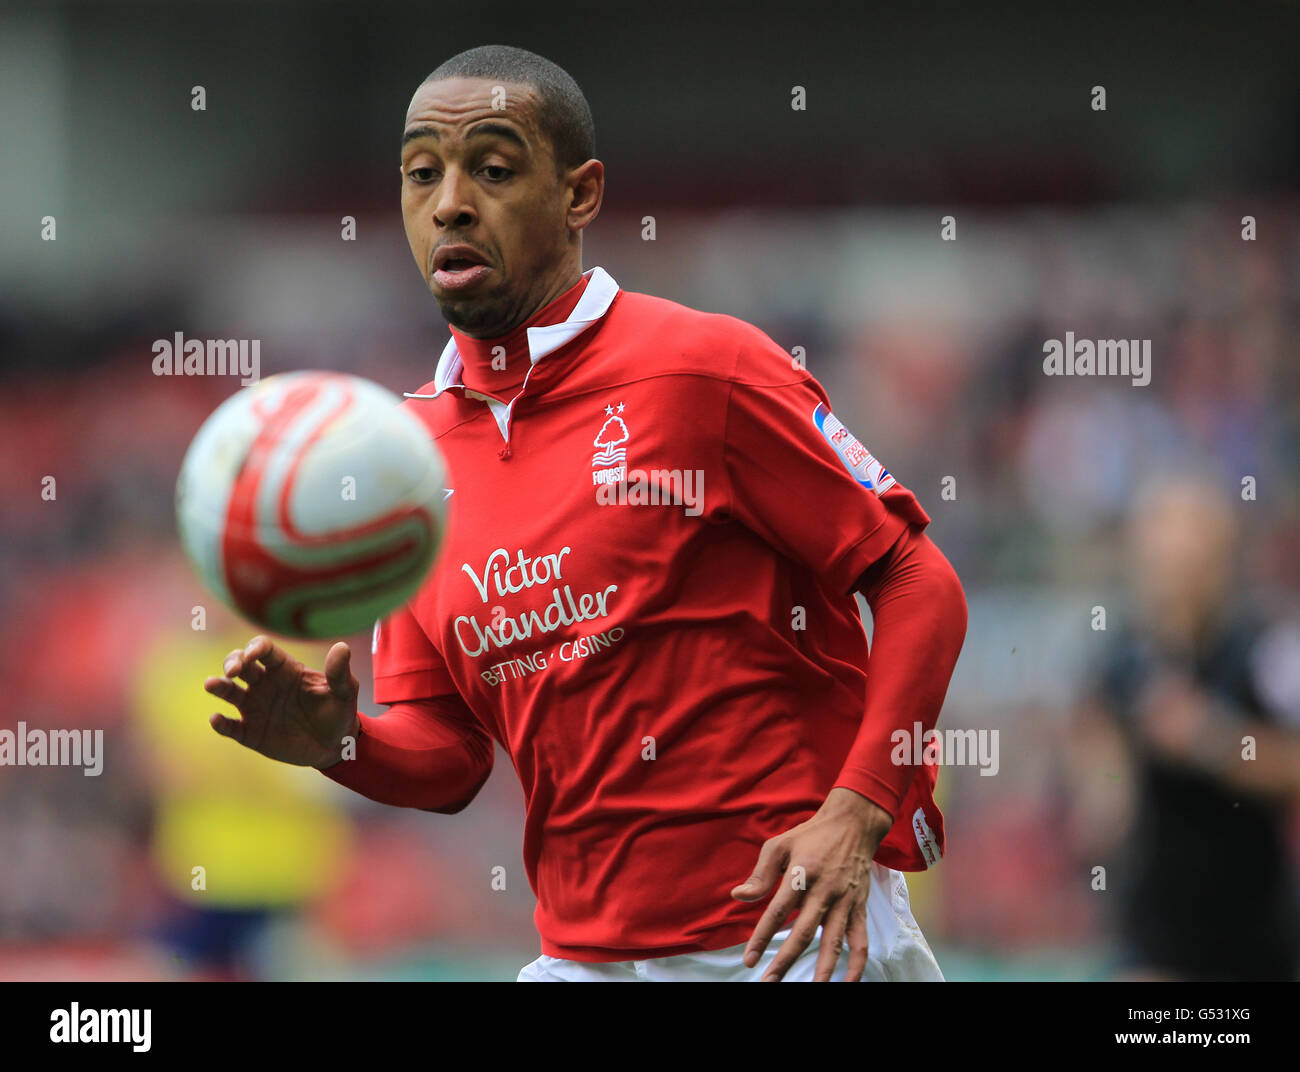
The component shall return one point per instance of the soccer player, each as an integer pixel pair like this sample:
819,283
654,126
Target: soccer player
645,593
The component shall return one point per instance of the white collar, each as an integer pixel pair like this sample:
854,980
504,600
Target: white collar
594,303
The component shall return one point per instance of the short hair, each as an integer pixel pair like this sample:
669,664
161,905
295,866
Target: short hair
563,113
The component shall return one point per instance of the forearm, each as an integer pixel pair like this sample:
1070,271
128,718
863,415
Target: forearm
919,611
417,754
1220,749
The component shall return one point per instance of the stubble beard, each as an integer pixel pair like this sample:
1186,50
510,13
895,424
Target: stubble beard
491,315
484,318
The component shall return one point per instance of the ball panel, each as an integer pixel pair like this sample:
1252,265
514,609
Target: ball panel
261,582
352,601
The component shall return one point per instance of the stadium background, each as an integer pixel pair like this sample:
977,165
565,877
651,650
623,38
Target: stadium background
820,226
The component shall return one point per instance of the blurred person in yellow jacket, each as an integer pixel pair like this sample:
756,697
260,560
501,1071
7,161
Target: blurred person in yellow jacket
237,842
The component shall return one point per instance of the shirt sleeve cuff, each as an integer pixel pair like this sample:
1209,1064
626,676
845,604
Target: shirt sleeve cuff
858,558
874,788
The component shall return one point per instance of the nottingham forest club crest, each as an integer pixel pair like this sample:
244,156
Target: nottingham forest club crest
609,462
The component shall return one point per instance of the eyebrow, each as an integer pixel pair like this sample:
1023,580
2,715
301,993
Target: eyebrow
499,130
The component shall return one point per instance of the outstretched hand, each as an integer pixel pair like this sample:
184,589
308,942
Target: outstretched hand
288,711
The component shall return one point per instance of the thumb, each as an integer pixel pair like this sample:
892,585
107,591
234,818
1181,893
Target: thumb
338,672
770,867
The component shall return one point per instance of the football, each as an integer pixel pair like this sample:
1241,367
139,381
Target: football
311,503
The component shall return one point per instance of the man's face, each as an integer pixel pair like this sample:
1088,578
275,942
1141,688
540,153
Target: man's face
1182,544
484,178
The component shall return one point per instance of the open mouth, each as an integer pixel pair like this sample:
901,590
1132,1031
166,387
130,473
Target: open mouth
458,268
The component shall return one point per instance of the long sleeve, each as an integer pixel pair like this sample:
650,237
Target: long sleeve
430,754
799,479
919,611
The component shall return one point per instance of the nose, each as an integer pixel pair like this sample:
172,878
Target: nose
455,202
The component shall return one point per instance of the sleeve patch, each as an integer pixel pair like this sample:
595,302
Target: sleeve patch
856,458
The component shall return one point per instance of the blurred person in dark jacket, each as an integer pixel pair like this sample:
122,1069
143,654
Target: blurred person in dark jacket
1205,691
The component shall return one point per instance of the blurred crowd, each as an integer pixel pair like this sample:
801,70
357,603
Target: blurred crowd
932,353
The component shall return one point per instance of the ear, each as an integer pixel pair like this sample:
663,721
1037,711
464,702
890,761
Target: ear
586,184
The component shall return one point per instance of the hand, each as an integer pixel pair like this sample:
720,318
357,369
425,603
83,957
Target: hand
1174,716
825,863
289,711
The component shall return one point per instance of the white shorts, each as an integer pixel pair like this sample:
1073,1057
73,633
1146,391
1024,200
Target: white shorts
897,952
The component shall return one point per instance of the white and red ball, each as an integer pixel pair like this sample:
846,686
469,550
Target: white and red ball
312,503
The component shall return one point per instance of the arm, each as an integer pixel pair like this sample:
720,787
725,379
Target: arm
1184,723
797,477
920,617
429,754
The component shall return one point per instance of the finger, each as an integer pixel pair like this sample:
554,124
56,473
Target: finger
225,689
228,727
772,858
233,663
785,901
859,949
803,932
252,671
338,671
265,652
832,941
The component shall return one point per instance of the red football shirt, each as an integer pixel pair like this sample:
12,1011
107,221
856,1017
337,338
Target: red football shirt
674,683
